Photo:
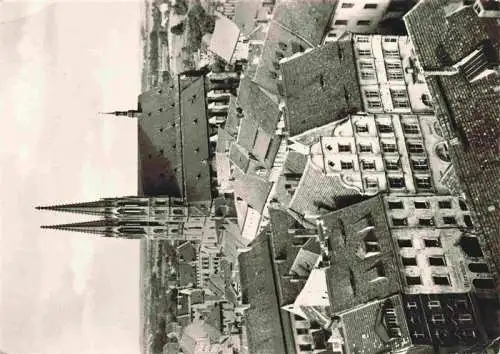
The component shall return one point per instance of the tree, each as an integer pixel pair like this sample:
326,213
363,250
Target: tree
178,29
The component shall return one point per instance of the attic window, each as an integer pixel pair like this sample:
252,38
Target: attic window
197,150
160,109
195,121
283,46
371,242
161,130
443,280
322,81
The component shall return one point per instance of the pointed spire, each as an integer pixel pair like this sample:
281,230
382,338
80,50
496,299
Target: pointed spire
99,207
130,113
101,227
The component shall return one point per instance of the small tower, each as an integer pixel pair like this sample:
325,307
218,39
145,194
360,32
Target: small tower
132,113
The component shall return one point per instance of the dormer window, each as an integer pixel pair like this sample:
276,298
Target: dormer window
370,242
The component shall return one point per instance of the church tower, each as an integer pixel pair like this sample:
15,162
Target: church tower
164,218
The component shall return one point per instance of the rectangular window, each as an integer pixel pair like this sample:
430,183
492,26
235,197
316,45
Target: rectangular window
395,75
396,204
441,280
393,66
410,128
368,75
437,261
374,104
361,128
400,221
421,205
413,280
412,305
341,22
305,347
344,148
390,39
396,182
301,331
391,53
363,23
365,148
400,100
400,104
389,147
362,39
415,148
364,52
409,261
449,220
420,165
468,221
371,183
368,165
432,242
366,65
405,243
423,182
444,204
434,304
346,165
370,6
347,5
464,318
426,222
438,318
392,165
371,94
384,128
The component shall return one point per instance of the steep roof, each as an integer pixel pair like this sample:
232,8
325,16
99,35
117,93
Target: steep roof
245,15
224,38
357,273
466,108
252,189
322,77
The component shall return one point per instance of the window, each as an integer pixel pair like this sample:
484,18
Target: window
413,280
395,75
384,128
443,280
420,164
346,165
411,305
462,204
437,261
391,53
368,75
329,147
396,204
344,148
331,163
341,22
400,221
301,331
392,165
361,128
365,148
367,65
363,23
396,182
449,220
368,165
464,317
305,347
438,318
371,242
362,39
483,283
444,204
371,183
364,52
434,304
468,221
409,128
415,148
426,222
400,100
390,39
409,261
400,104
404,243
389,147
370,6
423,182
478,268
393,66
432,242
374,104
371,94
421,205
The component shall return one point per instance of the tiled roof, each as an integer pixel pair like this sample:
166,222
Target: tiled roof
195,150
187,251
252,189
245,14
364,330
320,86
279,43
247,133
224,141
187,274
317,193
265,334
467,111
308,19
239,157
233,118
258,105
159,163
224,38
355,276
295,163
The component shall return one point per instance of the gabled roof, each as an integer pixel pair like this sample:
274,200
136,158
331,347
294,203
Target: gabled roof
187,251
224,38
252,189
357,274
323,77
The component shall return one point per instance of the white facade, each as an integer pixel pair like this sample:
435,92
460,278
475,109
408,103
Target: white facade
356,16
427,232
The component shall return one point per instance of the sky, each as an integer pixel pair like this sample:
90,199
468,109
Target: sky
60,64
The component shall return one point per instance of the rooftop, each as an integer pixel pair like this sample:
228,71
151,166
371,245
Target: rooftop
246,13
224,38
323,77
362,260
